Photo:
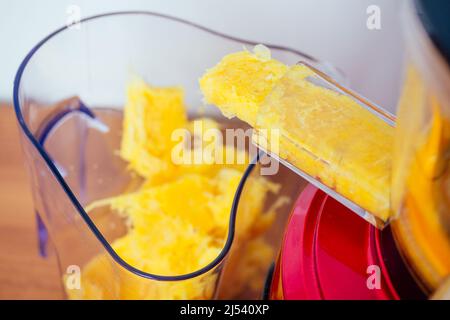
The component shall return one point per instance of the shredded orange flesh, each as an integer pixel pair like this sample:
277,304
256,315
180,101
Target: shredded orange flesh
324,133
178,219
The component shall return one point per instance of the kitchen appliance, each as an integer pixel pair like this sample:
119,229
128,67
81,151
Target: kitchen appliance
330,254
68,98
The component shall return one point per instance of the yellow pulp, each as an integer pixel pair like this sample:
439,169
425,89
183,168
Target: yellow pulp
421,182
239,84
178,219
327,135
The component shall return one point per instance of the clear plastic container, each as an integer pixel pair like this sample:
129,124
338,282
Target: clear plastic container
69,93
420,191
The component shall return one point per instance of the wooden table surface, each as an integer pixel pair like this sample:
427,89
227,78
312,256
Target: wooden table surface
23,273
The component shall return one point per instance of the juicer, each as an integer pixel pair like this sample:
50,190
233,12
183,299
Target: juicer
328,253
70,128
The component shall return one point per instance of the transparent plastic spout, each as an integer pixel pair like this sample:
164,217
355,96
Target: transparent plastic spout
333,138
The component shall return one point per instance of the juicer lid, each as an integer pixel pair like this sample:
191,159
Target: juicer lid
328,252
434,17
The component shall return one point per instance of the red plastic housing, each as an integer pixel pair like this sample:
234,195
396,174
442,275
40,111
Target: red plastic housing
328,252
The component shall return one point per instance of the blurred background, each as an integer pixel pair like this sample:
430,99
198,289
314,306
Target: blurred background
330,30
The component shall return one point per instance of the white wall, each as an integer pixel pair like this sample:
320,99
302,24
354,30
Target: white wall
333,30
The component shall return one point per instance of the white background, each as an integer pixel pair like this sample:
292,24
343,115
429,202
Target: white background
332,30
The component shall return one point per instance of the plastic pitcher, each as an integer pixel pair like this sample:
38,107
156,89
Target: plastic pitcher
69,94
